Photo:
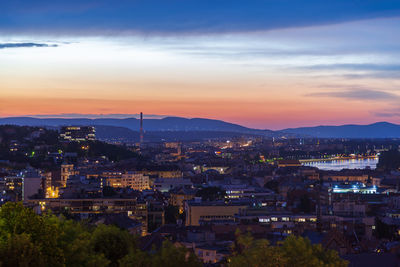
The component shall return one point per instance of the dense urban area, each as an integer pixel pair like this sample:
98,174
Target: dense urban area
69,199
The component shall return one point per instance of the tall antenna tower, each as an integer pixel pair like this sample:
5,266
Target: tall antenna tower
141,127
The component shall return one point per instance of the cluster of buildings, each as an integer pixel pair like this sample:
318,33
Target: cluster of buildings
77,133
200,194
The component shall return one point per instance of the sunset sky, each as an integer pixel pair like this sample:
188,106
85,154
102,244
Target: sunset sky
262,64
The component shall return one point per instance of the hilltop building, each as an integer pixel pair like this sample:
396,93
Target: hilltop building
77,133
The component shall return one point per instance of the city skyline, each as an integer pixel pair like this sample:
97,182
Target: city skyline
200,133
330,65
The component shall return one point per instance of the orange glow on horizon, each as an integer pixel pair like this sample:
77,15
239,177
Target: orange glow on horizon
268,114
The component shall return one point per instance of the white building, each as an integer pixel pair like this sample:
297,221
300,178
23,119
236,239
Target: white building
32,182
134,180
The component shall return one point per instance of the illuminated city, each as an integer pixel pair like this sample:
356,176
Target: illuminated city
200,133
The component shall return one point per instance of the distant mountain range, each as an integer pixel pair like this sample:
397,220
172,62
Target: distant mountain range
375,130
183,128
169,128
164,124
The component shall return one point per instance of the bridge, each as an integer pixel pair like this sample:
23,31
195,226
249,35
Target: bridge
338,158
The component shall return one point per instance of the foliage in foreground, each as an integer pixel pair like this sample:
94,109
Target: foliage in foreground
28,239
293,251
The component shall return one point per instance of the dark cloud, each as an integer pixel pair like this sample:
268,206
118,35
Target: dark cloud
358,94
22,45
173,16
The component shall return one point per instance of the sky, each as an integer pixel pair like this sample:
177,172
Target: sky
262,64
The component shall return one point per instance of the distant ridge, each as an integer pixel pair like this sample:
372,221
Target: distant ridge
178,124
164,124
375,130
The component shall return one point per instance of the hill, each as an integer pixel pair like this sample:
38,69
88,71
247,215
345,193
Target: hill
375,130
176,128
165,124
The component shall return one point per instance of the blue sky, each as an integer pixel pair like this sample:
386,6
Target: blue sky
172,16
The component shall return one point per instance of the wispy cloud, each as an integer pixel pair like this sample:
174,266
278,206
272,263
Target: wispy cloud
358,94
356,67
24,45
395,75
387,113
357,71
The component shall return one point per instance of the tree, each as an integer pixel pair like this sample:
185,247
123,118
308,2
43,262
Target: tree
384,230
211,193
19,251
171,214
389,160
172,256
293,251
168,255
15,220
300,252
306,205
28,239
75,241
272,185
112,242
136,258
257,253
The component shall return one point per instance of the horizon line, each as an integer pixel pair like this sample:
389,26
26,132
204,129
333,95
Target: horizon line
120,116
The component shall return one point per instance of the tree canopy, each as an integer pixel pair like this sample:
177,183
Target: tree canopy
29,239
293,251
